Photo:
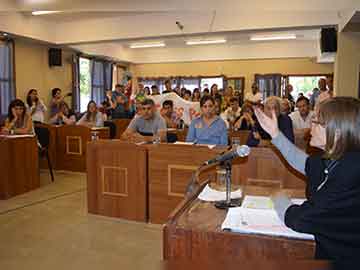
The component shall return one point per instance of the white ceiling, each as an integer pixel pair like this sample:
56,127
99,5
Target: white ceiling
96,25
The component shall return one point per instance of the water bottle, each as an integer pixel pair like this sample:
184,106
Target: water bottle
156,137
94,135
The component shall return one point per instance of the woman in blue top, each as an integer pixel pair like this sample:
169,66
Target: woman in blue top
208,128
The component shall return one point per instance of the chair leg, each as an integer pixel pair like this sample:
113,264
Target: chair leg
49,165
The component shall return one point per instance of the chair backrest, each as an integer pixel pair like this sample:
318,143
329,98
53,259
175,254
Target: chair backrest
43,136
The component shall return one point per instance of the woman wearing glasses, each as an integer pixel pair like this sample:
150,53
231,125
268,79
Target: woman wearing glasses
332,210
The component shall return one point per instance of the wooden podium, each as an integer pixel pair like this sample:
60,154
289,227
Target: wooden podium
71,146
117,179
193,232
19,165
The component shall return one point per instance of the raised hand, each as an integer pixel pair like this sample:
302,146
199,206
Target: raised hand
270,125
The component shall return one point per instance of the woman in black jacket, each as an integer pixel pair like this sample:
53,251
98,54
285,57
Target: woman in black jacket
332,210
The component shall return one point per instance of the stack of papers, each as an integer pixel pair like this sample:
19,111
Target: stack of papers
257,216
211,195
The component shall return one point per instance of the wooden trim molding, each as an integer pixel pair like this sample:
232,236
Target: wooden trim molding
68,152
119,194
179,167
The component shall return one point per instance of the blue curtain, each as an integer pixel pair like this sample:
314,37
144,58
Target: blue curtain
7,84
101,79
76,83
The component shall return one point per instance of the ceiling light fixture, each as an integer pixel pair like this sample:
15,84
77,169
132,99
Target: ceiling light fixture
205,41
272,37
147,45
43,12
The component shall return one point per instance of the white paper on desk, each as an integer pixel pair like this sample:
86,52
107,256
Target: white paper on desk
263,202
211,195
183,143
259,221
18,136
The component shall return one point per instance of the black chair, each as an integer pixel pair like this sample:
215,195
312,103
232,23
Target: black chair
112,128
43,136
171,137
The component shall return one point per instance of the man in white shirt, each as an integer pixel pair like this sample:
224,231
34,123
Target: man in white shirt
231,113
255,96
301,120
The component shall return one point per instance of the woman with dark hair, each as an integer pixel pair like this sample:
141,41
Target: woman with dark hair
92,117
247,119
35,106
332,210
209,128
18,121
214,90
196,95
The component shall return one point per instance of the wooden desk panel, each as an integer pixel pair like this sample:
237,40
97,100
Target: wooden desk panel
265,166
170,170
71,146
121,126
117,180
194,232
19,166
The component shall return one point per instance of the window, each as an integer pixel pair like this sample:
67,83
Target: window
85,83
208,82
304,84
7,89
189,83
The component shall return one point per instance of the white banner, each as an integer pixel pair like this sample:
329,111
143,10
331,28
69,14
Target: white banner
186,110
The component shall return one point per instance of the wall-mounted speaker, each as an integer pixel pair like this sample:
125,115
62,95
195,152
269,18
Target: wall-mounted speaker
328,40
55,57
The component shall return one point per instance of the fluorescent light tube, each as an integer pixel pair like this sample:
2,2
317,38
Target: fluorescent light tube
272,37
205,41
147,45
43,12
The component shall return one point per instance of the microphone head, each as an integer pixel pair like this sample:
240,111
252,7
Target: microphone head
243,150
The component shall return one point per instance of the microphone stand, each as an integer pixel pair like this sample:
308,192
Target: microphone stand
228,201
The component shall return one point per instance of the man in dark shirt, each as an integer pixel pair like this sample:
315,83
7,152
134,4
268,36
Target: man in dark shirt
259,137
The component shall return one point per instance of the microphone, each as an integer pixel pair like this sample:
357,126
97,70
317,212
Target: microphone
239,151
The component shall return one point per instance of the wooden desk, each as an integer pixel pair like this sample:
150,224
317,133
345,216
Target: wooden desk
171,167
117,179
241,136
194,232
19,166
52,146
71,146
121,126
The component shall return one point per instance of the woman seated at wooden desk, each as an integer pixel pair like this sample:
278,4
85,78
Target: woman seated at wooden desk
92,117
246,121
65,116
332,210
18,120
259,137
209,128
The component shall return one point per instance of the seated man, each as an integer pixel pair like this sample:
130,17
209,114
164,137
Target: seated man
167,112
231,113
147,126
301,119
258,136
118,102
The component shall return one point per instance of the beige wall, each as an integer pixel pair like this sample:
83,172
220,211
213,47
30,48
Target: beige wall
234,68
32,71
347,64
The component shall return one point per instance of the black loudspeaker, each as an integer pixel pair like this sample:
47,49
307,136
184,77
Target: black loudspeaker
55,57
328,40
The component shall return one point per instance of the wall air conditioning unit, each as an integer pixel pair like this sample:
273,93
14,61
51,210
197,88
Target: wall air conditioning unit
327,45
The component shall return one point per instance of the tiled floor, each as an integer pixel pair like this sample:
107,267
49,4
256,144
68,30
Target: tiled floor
50,229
